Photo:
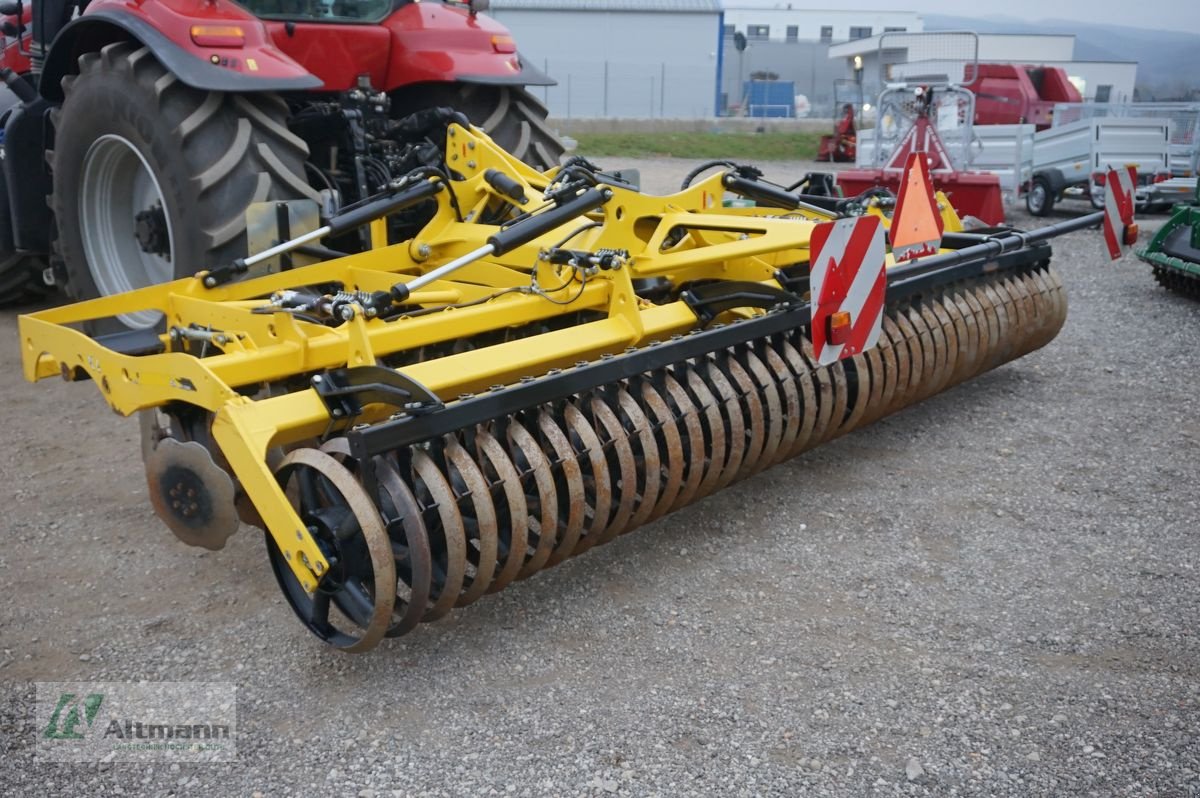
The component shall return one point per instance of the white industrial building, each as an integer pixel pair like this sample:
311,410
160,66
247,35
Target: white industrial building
786,21
621,58
676,58
1101,81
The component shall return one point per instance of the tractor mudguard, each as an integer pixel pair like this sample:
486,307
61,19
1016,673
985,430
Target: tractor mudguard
256,66
528,76
436,43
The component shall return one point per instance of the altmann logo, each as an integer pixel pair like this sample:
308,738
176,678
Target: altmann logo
138,730
136,721
73,712
78,710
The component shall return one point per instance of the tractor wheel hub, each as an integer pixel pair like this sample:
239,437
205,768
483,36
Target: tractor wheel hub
150,229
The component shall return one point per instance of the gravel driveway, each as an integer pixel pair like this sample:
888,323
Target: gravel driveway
992,593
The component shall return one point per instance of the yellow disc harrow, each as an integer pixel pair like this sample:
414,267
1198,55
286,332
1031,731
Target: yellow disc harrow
554,360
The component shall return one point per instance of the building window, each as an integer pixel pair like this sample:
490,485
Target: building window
1103,93
826,34
758,31
793,33
857,32
892,30
728,29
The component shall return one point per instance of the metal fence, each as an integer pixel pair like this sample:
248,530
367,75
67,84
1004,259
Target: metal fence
589,89
1184,118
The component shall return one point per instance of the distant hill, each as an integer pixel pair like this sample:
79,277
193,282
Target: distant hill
1168,62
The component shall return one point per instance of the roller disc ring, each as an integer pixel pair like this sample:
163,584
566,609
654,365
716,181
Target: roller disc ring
410,548
361,581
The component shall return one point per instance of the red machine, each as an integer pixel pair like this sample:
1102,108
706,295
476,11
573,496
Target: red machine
840,147
1010,94
154,125
974,194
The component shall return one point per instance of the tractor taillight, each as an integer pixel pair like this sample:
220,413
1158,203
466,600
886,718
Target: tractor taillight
1131,234
504,44
1099,178
218,36
1162,177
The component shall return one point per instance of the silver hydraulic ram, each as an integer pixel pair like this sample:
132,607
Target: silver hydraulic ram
509,238
404,196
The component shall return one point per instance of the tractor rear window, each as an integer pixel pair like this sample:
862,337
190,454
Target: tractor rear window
321,10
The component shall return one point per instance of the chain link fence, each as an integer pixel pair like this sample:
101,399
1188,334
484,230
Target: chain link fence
655,90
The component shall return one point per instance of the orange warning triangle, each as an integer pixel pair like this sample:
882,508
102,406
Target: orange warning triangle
916,225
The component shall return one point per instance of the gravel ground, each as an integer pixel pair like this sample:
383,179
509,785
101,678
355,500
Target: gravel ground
991,593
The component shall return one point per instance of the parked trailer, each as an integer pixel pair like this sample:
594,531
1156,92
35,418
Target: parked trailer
1066,159
1184,118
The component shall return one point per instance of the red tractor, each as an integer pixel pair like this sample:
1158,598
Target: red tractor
137,133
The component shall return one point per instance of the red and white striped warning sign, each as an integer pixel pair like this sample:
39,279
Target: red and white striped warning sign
1118,209
848,286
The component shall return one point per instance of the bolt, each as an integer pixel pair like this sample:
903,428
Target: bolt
580,363
317,379
424,250
471,164
338,412
526,379
496,387
470,145
629,350
319,567
210,282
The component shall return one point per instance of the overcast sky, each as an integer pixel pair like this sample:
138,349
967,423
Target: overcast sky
1177,15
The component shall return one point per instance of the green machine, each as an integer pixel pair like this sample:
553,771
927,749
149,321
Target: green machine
1174,252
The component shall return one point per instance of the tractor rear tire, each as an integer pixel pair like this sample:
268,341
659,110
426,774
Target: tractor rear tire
21,273
152,178
514,118
21,279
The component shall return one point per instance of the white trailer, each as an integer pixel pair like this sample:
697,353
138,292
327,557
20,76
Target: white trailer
1070,160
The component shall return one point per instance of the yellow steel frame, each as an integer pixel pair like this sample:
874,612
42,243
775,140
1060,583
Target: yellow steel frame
256,345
